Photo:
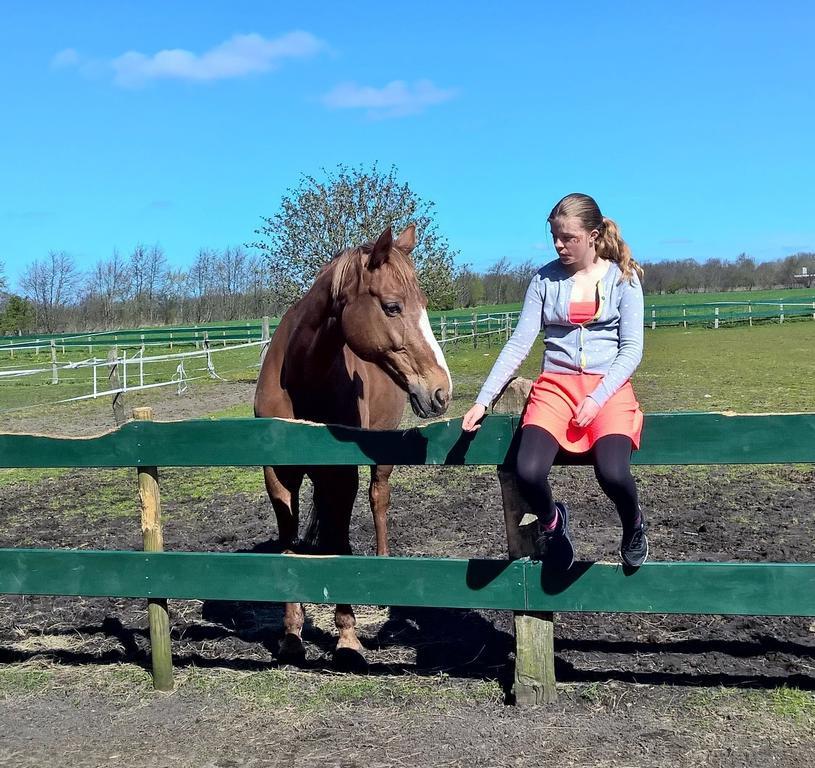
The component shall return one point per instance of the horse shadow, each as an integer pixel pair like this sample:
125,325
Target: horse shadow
411,640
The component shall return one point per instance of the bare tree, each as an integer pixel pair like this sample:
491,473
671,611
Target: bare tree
231,281
497,281
50,284
200,279
148,270
107,289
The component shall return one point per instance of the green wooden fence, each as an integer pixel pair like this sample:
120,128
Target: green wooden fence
668,587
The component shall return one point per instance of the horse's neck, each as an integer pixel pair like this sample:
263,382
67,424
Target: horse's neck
317,340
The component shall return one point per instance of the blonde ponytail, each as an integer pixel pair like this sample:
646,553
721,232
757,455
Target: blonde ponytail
611,247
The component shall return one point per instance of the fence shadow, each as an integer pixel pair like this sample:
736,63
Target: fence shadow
459,642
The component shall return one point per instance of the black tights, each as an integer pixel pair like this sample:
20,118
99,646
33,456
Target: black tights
611,456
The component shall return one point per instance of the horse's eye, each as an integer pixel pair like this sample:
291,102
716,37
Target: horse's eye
392,309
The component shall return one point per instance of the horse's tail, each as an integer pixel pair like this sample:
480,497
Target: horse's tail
333,494
310,540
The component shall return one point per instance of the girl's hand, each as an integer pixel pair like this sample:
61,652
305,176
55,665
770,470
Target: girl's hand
586,413
472,418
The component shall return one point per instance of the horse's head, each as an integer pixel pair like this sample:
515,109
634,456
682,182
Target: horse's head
383,312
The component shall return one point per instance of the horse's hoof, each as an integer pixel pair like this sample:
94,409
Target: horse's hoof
350,660
291,650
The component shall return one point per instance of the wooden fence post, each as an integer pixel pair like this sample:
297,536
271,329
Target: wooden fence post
653,319
54,374
750,314
716,317
157,615
781,318
475,338
534,630
113,383
684,317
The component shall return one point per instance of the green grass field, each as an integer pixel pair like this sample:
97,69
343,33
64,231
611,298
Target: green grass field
752,370
745,369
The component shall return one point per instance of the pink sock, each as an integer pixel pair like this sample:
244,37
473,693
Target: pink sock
552,525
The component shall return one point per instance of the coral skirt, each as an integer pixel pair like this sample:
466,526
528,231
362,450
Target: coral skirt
555,398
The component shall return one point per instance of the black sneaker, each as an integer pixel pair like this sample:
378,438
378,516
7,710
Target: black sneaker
554,548
634,546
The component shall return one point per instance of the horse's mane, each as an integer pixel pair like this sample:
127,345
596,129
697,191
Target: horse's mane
400,264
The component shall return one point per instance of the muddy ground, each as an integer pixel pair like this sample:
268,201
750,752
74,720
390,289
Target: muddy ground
636,690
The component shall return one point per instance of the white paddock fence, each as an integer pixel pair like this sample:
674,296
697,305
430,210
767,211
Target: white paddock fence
477,328
131,374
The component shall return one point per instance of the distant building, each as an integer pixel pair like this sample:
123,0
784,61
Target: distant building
806,277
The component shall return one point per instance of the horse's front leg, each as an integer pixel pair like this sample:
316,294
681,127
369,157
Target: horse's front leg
379,495
283,486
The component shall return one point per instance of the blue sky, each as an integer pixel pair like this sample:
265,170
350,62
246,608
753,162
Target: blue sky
182,123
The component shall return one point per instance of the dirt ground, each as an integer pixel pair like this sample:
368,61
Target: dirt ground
636,690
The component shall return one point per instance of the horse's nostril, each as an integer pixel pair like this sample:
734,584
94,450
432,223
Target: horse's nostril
440,398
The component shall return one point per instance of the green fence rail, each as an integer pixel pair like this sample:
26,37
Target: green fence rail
765,589
689,438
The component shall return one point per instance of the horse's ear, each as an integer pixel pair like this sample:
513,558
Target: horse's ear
407,240
382,249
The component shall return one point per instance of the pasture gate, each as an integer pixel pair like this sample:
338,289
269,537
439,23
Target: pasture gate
520,585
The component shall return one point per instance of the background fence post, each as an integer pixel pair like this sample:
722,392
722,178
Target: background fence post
444,327
54,374
716,317
653,319
750,314
781,318
684,317
534,630
113,383
475,338
157,615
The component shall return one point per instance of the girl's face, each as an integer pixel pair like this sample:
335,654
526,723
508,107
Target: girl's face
574,245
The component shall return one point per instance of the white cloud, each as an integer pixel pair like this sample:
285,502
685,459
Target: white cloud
69,57
239,56
396,99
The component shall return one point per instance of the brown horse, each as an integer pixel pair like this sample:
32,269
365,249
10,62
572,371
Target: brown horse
349,352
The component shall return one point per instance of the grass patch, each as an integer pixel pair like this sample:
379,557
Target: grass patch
790,703
29,476
244,411
315,693
18,680
783,703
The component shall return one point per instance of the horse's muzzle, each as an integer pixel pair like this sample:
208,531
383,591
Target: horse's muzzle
427,403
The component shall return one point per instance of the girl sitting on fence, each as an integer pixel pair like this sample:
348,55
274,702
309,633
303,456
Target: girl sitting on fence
589,304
